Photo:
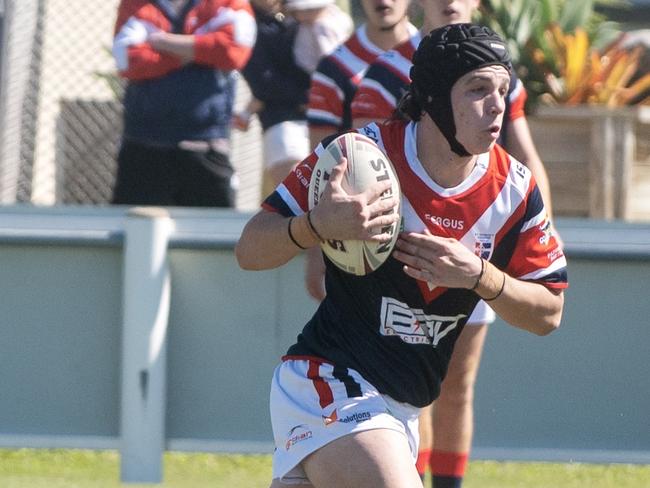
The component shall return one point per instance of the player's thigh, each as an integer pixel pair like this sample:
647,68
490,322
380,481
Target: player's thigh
378,458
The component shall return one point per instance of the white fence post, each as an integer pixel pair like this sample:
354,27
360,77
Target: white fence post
145,301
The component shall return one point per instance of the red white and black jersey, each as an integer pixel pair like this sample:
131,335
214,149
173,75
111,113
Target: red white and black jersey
335,81
399,332
388,78
166,100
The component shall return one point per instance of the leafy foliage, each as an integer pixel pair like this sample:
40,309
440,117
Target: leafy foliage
568,53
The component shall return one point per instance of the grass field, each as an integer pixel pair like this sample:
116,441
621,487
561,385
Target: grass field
28,468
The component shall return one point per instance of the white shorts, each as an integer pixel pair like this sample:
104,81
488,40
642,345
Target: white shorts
482,314
313,403
286,141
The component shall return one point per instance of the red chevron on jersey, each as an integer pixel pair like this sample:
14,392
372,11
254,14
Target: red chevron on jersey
480,212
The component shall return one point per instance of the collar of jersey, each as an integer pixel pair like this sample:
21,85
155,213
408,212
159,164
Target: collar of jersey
414,163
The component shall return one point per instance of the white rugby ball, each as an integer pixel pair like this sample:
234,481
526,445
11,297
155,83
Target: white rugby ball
367,164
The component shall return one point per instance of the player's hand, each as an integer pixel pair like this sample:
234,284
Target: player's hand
441,261
341,215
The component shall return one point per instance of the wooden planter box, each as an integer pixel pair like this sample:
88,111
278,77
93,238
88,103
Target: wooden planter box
598,160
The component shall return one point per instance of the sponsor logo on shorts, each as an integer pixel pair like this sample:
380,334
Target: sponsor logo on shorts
298,434
357,417
412,325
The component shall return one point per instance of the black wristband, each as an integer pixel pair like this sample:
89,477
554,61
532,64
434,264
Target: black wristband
480,275
313,229
291,235
503,284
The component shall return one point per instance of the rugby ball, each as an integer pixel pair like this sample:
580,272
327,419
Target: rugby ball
367,164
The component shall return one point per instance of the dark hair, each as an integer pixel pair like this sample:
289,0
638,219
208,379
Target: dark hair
408,108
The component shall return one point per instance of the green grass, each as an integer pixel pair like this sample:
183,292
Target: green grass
59,468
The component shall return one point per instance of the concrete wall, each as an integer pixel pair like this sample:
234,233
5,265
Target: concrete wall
582,393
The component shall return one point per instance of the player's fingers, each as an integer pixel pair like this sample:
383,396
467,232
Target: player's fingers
427,240
379,222
413,248
336,176
377,190
418,274
414,260
383,206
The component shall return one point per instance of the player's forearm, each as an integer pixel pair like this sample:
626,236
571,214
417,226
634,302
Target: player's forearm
266,242
525,305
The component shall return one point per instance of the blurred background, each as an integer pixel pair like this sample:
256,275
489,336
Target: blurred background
60,121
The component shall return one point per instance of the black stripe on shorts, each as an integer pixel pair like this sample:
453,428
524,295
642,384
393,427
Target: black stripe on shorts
352,388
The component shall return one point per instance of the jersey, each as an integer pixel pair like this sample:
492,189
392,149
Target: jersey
399,332
167,101
388,78
335,81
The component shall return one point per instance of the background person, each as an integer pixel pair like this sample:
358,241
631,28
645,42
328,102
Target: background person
334,83
346,398
323,26
279,90
178,57
447,438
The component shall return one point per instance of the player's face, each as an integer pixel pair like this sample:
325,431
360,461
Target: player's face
385,14
479,102
442,12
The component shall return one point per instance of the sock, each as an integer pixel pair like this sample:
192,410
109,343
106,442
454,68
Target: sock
422,462
448,468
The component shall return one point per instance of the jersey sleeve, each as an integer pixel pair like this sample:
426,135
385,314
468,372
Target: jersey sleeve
326,96
517,100
226,37
290,196
134,57
537,254
378,93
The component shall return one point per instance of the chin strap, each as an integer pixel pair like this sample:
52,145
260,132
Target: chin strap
442,114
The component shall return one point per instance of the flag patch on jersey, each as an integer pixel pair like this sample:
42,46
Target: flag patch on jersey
484,245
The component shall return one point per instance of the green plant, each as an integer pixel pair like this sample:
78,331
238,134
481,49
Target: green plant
540,35
586,75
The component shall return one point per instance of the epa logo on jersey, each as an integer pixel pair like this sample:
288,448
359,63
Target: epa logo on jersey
413,326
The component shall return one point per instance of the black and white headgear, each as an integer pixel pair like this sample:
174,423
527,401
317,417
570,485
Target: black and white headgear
444,56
